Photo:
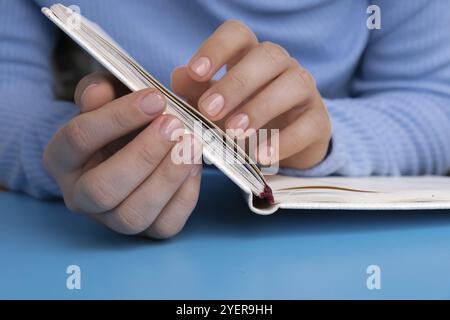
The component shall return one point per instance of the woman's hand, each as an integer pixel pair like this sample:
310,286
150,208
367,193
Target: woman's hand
114,163
263,88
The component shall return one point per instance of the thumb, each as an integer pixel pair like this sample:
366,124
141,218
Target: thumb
96,90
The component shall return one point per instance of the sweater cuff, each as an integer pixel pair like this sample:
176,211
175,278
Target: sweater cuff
40,183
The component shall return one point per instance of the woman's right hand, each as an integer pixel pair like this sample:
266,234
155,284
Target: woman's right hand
113,162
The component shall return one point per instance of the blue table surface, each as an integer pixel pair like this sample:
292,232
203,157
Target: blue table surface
225,252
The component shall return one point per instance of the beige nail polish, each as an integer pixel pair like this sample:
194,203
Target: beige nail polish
153,104
240,121
201,66
214,104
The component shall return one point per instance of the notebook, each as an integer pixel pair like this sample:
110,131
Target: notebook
264,194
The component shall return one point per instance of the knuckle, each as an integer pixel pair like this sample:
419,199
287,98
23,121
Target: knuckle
120,120
130,220
165,229
321,124
147,157
240,27
76,136
309,77
97,192
297,77
304,81
172,174
304,77
187,201
294,63
276,54
239,80
236,24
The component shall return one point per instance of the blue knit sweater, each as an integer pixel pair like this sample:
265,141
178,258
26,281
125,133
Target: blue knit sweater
387,90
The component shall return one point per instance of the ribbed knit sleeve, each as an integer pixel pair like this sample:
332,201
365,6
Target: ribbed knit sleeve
29,114
397,121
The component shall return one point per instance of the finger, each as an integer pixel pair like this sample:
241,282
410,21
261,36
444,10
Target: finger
104,187
96,90
231,39
293,88
186,87
142,207
244,80
309,128
108,151
85,134
308,157
174,216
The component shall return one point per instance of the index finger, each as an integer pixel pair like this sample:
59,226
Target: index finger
87,133
231,40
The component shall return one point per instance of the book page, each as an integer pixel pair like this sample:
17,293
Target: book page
366,184
360,190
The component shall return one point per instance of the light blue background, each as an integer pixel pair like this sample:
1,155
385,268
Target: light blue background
225,252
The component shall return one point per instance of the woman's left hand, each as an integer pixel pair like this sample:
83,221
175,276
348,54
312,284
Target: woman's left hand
264,87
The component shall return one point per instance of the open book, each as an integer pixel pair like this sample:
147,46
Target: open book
264,194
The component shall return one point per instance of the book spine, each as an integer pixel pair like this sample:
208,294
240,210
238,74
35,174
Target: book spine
267,195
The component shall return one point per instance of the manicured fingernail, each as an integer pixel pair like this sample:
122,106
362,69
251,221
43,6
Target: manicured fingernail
201,66
153,103
195,171
172,128
213,104
240,121
86,92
